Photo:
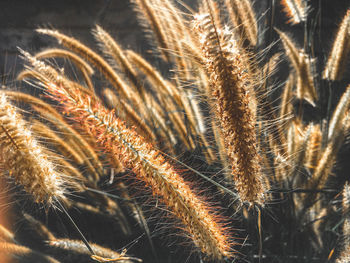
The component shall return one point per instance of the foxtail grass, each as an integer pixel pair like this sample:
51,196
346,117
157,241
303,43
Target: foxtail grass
337,60
199,220
25,160
296,10
230,84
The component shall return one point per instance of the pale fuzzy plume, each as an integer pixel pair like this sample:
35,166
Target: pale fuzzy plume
339,114
296,10
25,160
149,166
199,221
302,65
230,84
313,148
329,154
305,83
50,114
338,57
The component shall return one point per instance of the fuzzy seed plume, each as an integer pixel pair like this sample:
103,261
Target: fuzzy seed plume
339,114
302,65
25,159
296,10
231,86
200,222
313,147
337,60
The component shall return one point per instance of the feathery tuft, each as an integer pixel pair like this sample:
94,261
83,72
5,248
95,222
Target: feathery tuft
231,86
24,158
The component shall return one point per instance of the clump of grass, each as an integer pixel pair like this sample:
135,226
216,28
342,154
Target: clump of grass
213,111
149,166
